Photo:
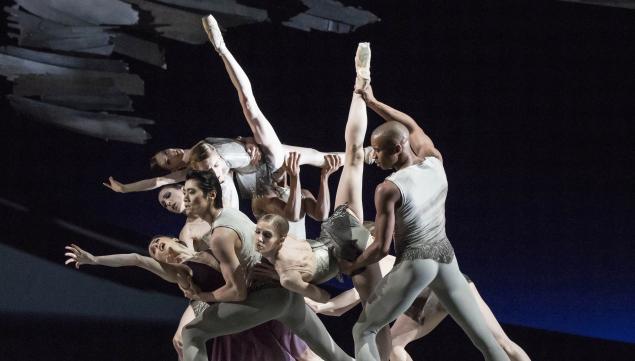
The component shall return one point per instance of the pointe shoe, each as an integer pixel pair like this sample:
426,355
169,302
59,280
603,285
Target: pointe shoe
213,32
362,61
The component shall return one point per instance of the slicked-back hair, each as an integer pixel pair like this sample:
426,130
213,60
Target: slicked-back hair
201,151
208,182
279,223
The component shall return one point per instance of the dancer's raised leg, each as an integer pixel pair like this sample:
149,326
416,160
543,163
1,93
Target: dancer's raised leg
263,131
349,188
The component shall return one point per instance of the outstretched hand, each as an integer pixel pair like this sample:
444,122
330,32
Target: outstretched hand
78,256
292,164
115,185
332,163
366,93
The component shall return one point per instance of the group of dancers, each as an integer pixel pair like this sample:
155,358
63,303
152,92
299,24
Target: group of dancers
259,284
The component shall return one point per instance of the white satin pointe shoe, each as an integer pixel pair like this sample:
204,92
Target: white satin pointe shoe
362,61
213,32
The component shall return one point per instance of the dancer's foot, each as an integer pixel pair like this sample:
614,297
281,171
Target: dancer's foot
362,64
213,33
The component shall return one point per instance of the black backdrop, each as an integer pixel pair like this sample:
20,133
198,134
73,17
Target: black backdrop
530,102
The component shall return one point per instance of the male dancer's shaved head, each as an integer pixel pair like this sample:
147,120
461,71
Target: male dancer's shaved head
390,133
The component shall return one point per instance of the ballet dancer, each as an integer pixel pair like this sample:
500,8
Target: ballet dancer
410,204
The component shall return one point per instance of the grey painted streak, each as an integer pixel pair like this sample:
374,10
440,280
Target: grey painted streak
100,125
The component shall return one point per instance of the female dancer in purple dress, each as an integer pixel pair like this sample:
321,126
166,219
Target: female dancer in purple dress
175,262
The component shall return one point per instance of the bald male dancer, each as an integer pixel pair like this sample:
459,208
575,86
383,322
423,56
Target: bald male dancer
410,204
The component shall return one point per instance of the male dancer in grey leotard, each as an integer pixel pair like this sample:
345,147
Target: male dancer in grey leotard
411,204
235,309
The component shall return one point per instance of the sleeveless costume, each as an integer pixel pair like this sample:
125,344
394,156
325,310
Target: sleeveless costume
425,258
265,302
270,341
253,181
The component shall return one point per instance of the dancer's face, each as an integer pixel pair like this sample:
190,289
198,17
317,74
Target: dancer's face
267,238
172,199
385,153
170,159
214,163
167,250
196,202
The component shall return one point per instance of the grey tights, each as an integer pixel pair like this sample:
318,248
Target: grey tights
398,290
260,306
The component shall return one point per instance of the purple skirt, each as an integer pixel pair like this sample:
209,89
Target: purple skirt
271,341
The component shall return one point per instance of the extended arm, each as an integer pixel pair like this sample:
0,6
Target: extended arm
293,208
420,142
80,257
292,280
146,184
222,242
319,209
337,305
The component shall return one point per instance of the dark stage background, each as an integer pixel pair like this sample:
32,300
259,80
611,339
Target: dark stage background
530,102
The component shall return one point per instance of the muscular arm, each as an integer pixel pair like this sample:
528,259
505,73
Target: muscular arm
420,142
319,209
386,197
338,305
292,280
222,242
293,208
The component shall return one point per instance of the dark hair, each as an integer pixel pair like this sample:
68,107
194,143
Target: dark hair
154,165
208,182
279,223
177,186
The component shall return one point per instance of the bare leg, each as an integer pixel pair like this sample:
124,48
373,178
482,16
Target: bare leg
177,340
349,189
263,131
452,289
406,330
515,352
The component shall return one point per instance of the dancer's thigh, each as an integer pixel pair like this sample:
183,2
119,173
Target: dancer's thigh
228,317
396,292
454,293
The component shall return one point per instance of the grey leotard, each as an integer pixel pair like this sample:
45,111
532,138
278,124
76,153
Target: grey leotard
252,180
420,219
341,236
